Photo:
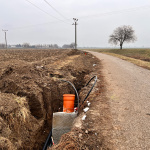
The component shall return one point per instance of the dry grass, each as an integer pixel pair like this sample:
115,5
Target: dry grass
6,144
139,57
137,62
23,112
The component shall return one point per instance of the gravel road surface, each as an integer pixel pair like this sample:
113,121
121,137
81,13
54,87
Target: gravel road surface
128,90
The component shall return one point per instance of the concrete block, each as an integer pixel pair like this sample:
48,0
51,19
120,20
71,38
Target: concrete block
62,123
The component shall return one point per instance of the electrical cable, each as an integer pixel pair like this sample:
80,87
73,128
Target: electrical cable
102,14
74,89
45,11
117,12
90,89
31,26
85,85
48,142
55,10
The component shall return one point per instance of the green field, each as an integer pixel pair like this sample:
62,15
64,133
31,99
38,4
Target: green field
142,54
140,57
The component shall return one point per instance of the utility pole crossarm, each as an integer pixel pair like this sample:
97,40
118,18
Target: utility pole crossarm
75,23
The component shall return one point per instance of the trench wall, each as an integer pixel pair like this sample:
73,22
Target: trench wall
31,90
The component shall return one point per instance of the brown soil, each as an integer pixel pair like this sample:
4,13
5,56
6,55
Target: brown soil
31,90
95,132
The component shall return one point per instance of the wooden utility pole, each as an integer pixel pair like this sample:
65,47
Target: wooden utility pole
5,37
75,23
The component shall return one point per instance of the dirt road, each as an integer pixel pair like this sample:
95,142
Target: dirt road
128,91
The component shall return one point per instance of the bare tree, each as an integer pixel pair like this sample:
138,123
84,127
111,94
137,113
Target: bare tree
72,46
2,45
122,34
26,45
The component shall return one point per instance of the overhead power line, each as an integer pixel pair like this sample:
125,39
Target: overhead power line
45,11
31,26
96,15
55,10
117,11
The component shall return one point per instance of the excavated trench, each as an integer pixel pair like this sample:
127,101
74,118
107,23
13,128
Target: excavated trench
31,90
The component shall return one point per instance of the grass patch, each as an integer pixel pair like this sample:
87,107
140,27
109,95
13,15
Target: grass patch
140,57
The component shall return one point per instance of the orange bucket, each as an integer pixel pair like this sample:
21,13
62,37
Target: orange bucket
68,103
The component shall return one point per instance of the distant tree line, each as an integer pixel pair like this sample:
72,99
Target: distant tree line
48,46
2,45
72,46
121,35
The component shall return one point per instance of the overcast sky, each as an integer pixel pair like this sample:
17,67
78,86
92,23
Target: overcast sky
38,23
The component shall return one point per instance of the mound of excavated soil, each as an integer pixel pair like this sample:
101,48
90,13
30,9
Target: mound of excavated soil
31,90
95,132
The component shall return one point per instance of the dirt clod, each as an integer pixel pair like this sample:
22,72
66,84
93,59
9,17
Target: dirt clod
95,131
31,90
